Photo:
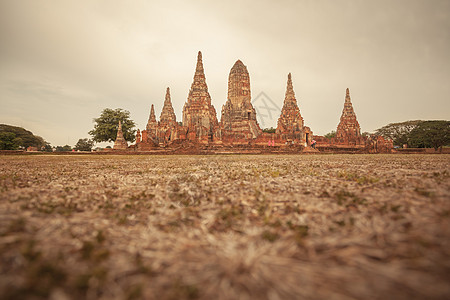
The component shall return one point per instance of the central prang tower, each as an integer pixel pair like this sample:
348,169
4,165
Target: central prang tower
238,114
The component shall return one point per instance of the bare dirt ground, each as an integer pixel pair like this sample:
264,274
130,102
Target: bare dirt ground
225,227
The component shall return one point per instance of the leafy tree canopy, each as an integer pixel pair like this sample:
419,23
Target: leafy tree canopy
47,148
330,135
84,145
105,128
9,141
13,137
63,148
430,134
269,130
398,132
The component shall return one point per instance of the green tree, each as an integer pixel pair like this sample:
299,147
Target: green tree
47,148
9,141
430,134
330,135
24,137
398,132
269,130
64,148
84,145
105,128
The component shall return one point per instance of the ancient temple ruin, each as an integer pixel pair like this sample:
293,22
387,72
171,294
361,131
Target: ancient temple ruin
120,143
151,128
238,126
167,129
199,115
238,122
348,131
290,123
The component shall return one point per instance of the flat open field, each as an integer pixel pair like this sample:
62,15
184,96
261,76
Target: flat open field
225,227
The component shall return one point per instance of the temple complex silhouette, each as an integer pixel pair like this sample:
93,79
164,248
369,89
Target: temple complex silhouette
238,127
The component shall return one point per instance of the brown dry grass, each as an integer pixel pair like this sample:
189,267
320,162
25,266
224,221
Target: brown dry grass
225,227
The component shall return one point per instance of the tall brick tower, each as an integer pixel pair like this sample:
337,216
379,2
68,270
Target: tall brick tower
168,118
199,115
290,122
152,125
348,130
120,143
167,129
238,114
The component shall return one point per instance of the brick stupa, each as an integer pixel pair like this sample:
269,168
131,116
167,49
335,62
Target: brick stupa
167,121
168,118
238,120
199,115
152,126
120,142
290,122
348,130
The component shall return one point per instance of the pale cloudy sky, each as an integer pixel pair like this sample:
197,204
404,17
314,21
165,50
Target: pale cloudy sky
62,62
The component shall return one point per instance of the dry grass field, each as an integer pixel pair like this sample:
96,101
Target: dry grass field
225,227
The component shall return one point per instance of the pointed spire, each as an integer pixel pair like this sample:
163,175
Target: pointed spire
199,114
199,76
199,62
348,107
167,101
347,96
290,95
120,143
152,124
152,117
167,114
348,127
199,89
290,120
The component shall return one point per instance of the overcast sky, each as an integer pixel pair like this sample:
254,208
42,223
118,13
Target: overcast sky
62,62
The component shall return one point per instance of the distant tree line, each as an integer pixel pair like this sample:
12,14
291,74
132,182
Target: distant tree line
13,138
418,134
16,138
413,134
